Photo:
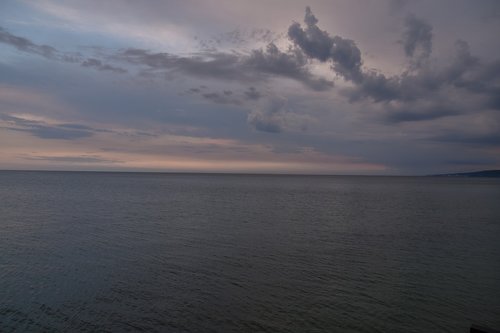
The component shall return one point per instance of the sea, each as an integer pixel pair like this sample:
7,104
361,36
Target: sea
159,252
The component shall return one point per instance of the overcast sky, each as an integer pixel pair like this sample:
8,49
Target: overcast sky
391,87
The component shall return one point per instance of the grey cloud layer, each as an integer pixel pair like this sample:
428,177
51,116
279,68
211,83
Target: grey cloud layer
49,52
423,91
227,96
25,45
60,131
270,117
318,44
254,67
417,38
238,37
46,131
97,64
87,159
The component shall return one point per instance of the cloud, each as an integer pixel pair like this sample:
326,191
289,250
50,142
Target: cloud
490,9
239,37
86,159
273,115
44,130
423,91
462,62
484,139
270,117
221,98
49,52
417,39
344,55
25,45
396,115
57,132
264,122
237,98
252,94
419,112
206,65
97,64
397,5
290,64
258,66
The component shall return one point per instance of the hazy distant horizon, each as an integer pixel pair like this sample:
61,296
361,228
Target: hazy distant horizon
237,173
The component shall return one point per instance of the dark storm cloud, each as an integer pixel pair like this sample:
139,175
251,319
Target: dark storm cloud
257,66
49,52
344,55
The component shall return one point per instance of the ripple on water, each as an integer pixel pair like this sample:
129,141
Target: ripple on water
88,252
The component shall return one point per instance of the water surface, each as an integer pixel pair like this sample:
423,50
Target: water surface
86,252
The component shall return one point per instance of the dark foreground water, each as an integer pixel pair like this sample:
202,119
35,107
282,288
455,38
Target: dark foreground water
111,252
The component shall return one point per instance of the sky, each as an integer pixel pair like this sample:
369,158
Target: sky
364,87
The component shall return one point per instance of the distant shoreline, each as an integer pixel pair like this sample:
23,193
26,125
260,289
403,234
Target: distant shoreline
483,173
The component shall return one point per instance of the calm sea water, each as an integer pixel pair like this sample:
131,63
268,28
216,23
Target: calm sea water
106,252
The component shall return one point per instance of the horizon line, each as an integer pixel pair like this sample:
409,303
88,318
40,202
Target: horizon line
240,173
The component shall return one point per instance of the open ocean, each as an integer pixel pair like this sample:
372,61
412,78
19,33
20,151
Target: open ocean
118,252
